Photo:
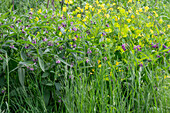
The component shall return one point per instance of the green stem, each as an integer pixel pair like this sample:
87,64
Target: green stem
8,81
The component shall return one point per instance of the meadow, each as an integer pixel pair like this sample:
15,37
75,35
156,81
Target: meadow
84,56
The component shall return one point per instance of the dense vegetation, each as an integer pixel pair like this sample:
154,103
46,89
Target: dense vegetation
84,56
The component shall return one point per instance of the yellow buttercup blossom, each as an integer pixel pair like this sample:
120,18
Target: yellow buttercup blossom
160,21
60,33
31,9
146,8
99,66
107,15
149,17
130,1
117,63
93,70
114,4
70,2
99,61
116,19
97,2
140,10
86,7
132,16
66,1
39,11
137,12
98,11
36,19
168,26
111,9
79,15
128,20
151,31
64,9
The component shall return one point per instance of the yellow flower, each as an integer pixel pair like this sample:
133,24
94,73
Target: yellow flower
79,15
60,33
36,19
116,19
151,31
64,9
128,20
168,26
111,9
84,20
132,16
146,8
137,12
31,9
98,11
149,17
97,2
107,15
140,10
66,1
114,4
160,21
130,1
86,7
70,2
93,70
39,11
99,66
117,63
99,61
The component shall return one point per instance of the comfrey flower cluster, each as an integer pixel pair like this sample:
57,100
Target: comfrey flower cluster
138,47
123,47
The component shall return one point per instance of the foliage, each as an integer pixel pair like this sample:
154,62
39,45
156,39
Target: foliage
85,56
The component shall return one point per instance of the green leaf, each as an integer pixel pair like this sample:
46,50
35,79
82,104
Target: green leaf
21,75
45,74
41,63
23,55
46,96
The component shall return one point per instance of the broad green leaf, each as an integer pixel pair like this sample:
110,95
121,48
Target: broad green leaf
41,63
21,75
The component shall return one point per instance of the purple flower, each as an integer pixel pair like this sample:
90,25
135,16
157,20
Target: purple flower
107,25
70,77
30,13
104,34
45,16
45,39
50,44
71,23
34,41
76,36
80,36
64,25
11,46
3,91
61,48
105,58
87,60
59,101
30,17
0,58
72,64
164,46
141,65
58,61
158,56
123,47
74,45
59,27
32,69
74,29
